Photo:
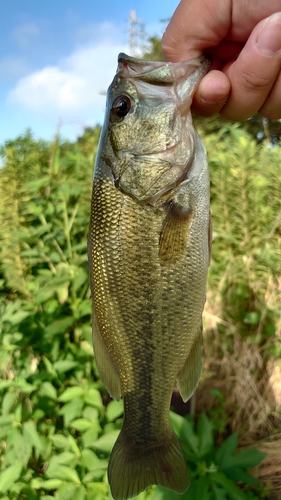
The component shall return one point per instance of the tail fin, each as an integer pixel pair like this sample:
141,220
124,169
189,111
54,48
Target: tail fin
133,467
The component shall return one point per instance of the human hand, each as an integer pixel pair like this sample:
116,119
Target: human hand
244,40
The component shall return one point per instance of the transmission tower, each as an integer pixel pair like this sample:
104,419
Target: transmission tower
136,35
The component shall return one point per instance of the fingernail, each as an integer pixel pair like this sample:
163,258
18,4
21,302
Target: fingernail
269,37
213,102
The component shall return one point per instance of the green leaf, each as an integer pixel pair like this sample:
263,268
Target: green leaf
191,492
202,487
64,365
114,410
9,476
93,398
33,186
252,318
59,326
71,492
22,449
89,460
226,449
48,364
4,384
163,494
79,280
48,390
185,431
205,433
71,393
18,448
72,410
62,293
25,386
98,492
91,413
229,486
8,401
18,412
73,446
93,476
64,458
63,472
219,493
60,441
6,420
30,493
239,474
81,424
44,294
84,309
18,317
31,435
248,457
55,163
90,435
38,414
50,290
105,443
47,484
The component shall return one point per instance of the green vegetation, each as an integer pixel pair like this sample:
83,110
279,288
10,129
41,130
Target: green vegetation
214,471
246,210
154,50
57,423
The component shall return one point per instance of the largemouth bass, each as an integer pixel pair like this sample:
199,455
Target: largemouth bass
149,250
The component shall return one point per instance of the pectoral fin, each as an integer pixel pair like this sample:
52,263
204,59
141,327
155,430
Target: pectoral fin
190,373
106,369
174,234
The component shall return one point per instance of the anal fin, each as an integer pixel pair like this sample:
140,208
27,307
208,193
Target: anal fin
106,369
190,373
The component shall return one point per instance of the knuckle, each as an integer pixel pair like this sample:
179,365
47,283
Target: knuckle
270,113
254,83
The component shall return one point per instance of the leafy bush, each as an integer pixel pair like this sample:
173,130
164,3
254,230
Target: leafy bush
214,471
246,207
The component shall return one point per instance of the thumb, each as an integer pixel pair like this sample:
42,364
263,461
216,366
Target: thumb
255,75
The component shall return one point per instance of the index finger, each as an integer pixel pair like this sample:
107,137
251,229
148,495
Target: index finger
195,26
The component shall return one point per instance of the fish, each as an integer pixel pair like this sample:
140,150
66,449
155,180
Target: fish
149,251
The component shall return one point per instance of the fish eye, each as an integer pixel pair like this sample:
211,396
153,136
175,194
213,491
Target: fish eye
121,106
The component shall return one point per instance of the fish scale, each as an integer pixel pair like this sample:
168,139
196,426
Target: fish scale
149,246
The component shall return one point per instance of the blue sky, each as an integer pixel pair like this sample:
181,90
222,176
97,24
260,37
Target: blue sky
58,57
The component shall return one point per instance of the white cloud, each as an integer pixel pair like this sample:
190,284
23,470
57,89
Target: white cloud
71,90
